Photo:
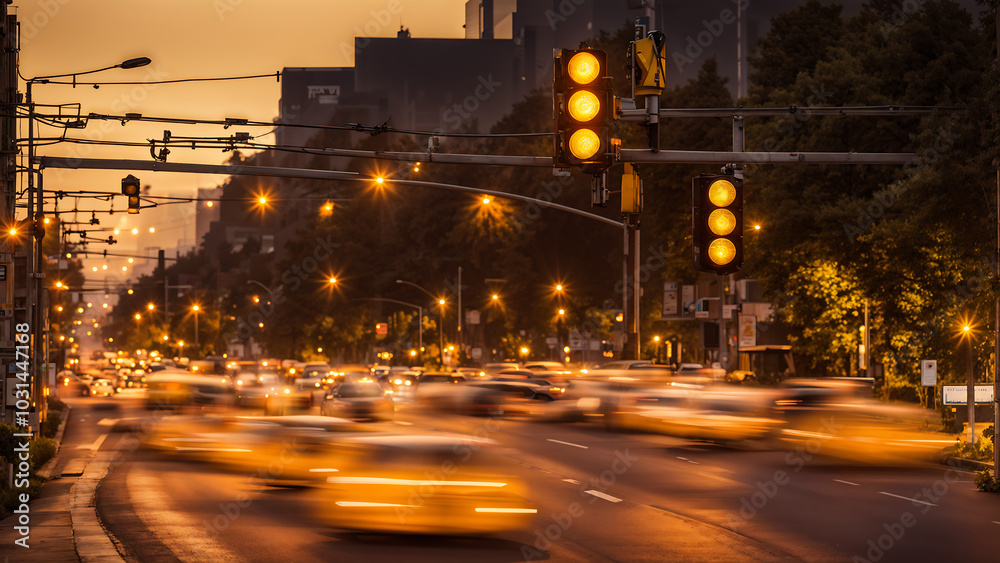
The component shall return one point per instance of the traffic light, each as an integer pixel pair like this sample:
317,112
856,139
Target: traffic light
130,187
717,217
584,107
649,65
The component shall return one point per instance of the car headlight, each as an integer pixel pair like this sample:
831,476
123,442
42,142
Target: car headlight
407,382
398,381
287,390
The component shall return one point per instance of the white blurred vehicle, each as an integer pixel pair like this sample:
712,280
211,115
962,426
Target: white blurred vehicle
102,387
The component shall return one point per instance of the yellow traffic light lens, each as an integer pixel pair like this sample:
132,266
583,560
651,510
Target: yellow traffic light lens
584,144
721,251
584,106
721,193
583,68
721,222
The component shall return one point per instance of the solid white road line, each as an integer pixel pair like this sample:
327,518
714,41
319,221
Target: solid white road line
572,481
601,495
108,422
847,482
568,444
907,498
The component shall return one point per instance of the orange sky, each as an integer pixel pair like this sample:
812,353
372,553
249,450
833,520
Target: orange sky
190,38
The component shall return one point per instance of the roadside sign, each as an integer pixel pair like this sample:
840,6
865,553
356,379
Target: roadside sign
928,373
670,304
748,330
957,394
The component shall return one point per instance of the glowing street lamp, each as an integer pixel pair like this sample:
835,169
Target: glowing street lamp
966,334
194,309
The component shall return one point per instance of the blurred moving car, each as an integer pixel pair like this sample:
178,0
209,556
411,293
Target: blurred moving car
176,388
252,388
494,367
72,384
403,384
837,417
102,387
359,400
282,450
425,485
720,414
557,367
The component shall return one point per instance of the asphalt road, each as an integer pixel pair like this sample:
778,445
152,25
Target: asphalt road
601,496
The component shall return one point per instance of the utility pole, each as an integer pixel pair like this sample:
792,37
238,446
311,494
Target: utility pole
996,326
8,190
630,288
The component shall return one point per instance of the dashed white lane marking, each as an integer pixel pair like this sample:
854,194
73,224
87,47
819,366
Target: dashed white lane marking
572,481
402,423
847,482
177,530
568,444
96,445
689,460
907,498
601,495
996,521
108,422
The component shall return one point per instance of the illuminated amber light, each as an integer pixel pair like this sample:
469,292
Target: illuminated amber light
722,222
584,144
721,193
583,68
584,105
722,251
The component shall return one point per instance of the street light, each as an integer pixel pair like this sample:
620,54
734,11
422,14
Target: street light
195,309
966,335
441,303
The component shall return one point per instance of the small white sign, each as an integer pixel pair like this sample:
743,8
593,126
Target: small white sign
670,304
748,331
928,373
957,394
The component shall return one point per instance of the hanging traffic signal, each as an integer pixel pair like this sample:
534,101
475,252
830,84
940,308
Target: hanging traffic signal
717,218
130,187
584,107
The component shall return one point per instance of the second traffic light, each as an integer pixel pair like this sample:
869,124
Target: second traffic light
717,220
130,187
584,108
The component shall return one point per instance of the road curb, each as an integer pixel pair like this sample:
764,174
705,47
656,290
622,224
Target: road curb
968,463
46,470
93,544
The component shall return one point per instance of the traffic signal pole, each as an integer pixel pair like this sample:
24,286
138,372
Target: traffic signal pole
630,288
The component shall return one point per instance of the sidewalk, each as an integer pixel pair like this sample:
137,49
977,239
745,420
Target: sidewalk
64,524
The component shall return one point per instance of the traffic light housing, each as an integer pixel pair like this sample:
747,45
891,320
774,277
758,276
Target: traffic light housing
717,219
585,108
649,65
130,187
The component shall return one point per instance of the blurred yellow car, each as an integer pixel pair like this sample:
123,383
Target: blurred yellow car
448,485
